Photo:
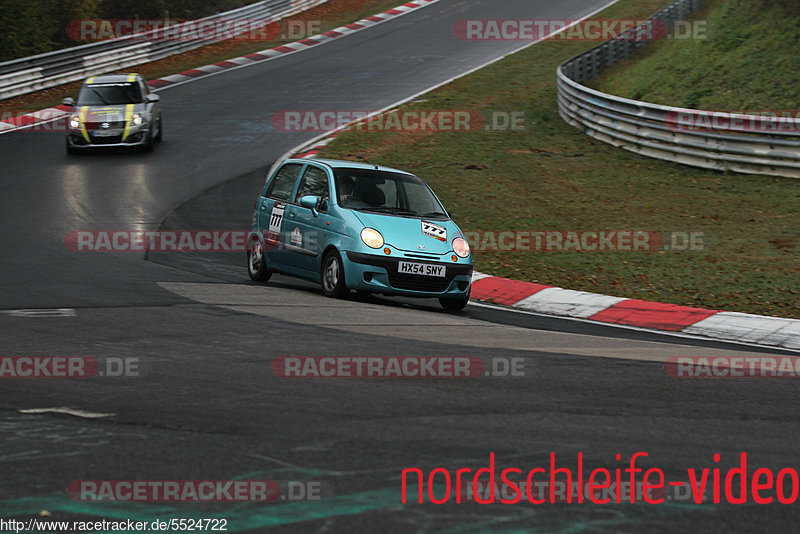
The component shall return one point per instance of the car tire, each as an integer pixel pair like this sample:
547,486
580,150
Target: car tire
454,305
333,284
256,265
160,135
70,149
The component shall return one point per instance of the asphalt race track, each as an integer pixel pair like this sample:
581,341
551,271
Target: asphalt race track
209,407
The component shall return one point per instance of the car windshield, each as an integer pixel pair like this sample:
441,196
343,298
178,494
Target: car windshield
109,94
386,192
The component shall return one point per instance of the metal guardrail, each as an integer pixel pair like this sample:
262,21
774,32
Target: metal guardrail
33,73
736,142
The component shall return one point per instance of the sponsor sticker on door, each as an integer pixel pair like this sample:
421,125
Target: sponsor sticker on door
297,237
275,220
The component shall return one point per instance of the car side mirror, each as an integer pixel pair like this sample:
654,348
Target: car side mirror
68,102
310,202
152,98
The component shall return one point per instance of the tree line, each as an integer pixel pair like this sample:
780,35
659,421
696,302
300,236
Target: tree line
29,27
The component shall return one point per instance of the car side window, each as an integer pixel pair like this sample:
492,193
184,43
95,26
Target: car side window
314,182
283,184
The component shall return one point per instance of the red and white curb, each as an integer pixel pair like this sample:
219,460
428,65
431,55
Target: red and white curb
50,114
722,325
19,122
313,151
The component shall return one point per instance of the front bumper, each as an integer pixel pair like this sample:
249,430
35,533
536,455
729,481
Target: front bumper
379,274
137,136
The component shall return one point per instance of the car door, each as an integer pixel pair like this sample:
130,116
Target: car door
304,227
270,212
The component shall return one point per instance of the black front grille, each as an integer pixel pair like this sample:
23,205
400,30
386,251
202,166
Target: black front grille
92,125
106,140
414,282
428,257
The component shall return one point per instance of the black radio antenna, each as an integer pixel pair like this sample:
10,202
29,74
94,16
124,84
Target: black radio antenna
362,158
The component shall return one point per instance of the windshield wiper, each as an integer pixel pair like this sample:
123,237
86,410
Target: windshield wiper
392,210
434,214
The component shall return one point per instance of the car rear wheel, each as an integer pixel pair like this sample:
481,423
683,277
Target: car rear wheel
256,265
333,284
453,305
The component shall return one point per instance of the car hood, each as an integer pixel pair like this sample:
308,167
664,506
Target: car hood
109,113
409,234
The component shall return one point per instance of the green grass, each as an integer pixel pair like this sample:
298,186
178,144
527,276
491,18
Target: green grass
749,60
553,177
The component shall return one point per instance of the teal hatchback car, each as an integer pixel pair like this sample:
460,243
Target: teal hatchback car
350,225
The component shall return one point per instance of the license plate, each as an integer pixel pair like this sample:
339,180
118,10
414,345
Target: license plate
424,269
105,133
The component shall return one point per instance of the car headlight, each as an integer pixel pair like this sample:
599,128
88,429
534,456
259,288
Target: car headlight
137,119
75,122
372,238
461,247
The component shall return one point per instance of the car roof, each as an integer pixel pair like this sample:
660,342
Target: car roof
344,164
112,78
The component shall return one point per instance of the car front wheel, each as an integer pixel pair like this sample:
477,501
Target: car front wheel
333,284
256,264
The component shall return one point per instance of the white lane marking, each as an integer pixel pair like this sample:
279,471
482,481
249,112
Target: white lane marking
41,312
68,411
568,302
